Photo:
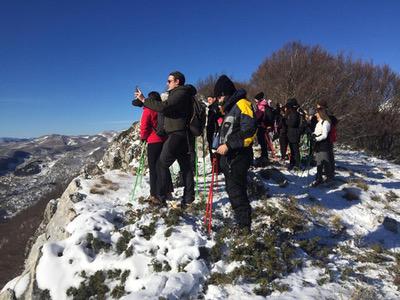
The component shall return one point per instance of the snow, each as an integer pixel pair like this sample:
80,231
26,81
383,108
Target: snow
62,261
18,284
94,150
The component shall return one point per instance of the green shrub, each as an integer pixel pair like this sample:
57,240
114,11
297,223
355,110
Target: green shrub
124,276
157,265
391,196
148,231
96,244
173,217
129,251
168,232
93,287
123,241
118,292
113,274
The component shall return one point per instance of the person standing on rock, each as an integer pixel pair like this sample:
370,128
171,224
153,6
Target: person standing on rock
237,134
322,147
177,110
151,133
261,104
212,122
293,132
282,133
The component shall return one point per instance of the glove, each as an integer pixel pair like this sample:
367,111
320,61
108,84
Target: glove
137,102
314,137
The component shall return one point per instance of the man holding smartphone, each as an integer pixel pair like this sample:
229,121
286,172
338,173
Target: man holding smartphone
177,110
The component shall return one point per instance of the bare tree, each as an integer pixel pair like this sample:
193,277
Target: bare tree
364,97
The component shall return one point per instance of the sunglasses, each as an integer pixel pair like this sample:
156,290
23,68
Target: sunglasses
169,80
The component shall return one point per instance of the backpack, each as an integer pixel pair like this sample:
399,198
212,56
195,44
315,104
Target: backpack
333,133
269,117
198,120
303,124
160,131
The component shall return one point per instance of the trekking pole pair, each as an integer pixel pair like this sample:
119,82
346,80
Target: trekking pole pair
208,215
139,170
270,144
197,169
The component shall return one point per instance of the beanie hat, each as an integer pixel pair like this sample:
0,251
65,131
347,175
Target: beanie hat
224,87
292,103
259,96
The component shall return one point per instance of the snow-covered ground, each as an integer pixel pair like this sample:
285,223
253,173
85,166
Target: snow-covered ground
327,242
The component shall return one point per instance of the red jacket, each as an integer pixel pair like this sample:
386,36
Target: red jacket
148,125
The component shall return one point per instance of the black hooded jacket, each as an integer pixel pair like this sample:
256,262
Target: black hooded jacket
177,109
212,118
239,126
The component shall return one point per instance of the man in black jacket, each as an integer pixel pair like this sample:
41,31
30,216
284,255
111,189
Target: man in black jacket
177,110
293,132
237,134
212,122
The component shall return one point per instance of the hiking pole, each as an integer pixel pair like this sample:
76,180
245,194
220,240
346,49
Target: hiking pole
204,166
196,167
208,215
204,169
271,146
139,170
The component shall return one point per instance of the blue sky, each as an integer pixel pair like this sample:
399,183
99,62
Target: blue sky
70,67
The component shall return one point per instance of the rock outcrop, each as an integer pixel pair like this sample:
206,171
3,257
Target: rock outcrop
57,215
122,150
60,212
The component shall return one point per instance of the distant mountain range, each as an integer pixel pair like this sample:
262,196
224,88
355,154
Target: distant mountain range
31,169
11,140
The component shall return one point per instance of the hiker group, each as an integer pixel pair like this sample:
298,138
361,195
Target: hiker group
232,124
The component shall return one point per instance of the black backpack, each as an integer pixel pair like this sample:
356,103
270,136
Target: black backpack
198,120
269,117
160,131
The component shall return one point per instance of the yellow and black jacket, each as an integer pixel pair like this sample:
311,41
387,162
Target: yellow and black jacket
238,129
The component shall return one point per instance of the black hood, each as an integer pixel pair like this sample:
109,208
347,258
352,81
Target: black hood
231,101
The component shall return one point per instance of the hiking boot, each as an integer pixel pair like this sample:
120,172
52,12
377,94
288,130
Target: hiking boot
157,201
241,230
261,162
186,203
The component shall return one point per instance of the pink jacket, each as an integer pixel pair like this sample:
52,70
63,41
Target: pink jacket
261,109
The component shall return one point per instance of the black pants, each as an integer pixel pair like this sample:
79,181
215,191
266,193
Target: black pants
294,154
262,141
153,154
210,137
331,162
235,169
176,148
283,144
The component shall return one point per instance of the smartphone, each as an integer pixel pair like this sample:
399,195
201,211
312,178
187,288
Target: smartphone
137,89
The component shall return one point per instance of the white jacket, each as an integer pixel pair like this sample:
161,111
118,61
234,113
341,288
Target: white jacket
322,130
